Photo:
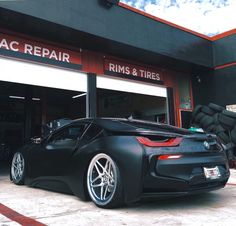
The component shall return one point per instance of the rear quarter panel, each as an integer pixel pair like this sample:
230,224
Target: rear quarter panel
127,153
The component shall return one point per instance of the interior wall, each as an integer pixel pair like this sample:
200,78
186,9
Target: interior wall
123,104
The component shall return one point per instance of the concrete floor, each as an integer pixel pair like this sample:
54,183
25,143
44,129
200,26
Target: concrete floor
50,208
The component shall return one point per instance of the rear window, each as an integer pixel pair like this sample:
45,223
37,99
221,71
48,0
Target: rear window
131,125
141,125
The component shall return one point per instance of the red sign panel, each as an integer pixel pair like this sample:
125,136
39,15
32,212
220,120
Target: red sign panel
39,49
114,67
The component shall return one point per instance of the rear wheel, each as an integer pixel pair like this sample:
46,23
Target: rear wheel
17,173
104,182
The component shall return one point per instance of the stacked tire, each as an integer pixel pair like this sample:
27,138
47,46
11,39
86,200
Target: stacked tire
207,122
233,135
210,119
215,119
228,121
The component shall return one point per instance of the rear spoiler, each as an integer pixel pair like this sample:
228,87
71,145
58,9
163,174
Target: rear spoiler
194,136
145,133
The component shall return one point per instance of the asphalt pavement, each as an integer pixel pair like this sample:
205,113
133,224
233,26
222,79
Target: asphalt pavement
22,205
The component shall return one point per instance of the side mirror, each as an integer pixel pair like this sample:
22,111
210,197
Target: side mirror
36,140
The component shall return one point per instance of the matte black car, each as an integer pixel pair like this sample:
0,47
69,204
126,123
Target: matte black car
116,161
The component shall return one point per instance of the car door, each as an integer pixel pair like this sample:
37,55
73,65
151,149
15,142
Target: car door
54,155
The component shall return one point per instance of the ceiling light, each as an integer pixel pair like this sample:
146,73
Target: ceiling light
17,97
36,98
80,95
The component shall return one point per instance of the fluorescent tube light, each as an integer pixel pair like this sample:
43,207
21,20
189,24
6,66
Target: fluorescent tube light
17,97
36,98
80,95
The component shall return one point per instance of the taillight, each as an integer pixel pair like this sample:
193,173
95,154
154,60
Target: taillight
172,142
169,157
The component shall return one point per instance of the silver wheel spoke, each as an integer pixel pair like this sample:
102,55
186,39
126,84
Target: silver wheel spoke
96,185
109,169
111,177
17,167
18,159
107,166
102,190
104,170
98,171
98,177
111,185
101,179
105,193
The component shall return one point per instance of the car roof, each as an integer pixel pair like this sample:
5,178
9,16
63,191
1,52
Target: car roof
123,124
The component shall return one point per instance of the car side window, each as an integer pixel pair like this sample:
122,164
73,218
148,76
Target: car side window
92,132
71,133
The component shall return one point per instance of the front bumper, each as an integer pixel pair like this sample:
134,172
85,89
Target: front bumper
184,176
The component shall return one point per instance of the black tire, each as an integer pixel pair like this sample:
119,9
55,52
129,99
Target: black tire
224,138
210,129
99,179
17,170
233,135
198,117
206,121
216,118
230,114
216,108
196,110
227,122
207,110
219,129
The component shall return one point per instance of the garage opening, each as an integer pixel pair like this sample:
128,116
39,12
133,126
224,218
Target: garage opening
123,104
123,98
32,95
26,109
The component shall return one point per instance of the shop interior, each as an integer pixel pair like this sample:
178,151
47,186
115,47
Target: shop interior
125,104
25,109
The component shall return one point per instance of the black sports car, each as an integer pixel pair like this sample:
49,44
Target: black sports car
117,161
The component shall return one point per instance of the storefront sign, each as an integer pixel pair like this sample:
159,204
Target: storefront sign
39,49
121,69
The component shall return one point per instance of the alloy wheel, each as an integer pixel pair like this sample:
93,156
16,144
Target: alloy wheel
17,167
102,179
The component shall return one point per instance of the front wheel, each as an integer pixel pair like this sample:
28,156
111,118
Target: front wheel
104,182
17,172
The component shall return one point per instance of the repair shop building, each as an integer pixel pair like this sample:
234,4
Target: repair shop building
73,59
